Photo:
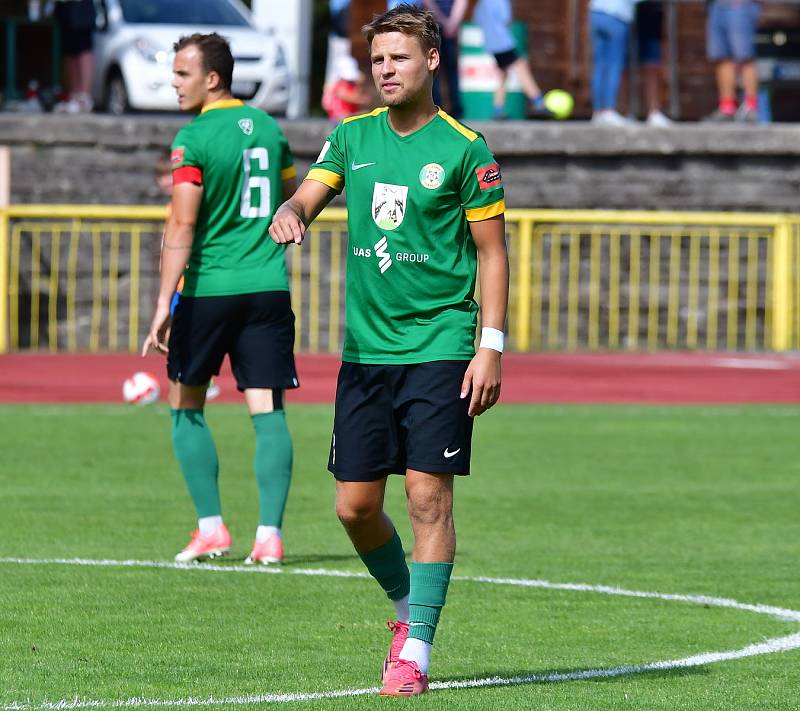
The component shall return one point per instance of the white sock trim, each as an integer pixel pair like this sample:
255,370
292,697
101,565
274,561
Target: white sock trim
209,524
416,650
401,609
263,533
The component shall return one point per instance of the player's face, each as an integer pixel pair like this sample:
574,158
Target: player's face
189,79
401,69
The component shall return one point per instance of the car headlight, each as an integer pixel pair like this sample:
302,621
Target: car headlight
151,52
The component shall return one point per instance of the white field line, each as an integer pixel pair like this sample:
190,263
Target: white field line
770,646
780,613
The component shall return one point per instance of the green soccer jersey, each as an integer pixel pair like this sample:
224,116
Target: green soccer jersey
241,158
411,261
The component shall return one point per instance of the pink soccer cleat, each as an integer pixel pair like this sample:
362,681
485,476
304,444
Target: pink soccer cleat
404,679
270,551
213,546
400,630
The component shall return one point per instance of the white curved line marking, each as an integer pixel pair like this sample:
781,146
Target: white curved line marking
769,646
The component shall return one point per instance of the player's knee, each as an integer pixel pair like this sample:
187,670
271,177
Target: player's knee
354,511
430,510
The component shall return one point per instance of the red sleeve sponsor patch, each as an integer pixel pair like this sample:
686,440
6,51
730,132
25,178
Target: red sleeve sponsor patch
187,174
489,176
176,157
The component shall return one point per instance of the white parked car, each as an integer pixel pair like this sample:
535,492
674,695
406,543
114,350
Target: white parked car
133,53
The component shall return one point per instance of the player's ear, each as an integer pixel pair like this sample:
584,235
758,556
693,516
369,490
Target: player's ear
433,59
212,81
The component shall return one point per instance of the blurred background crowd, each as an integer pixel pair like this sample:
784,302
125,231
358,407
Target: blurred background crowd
614,62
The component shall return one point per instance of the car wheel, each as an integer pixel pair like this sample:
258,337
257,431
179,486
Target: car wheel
117,95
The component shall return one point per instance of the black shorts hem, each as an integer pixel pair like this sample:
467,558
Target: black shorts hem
286,386
362,476
384,473
438,469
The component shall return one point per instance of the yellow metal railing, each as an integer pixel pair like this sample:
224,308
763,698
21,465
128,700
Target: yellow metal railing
85,278
647,280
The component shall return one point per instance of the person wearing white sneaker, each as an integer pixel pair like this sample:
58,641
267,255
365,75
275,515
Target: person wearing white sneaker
656,119
610,27
611,117
76,21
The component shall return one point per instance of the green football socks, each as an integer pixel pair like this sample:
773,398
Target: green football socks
429,582
387,565
197,456
273,465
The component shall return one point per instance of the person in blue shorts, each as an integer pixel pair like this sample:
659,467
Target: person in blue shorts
731,45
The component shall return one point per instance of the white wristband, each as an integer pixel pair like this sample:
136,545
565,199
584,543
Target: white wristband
492,338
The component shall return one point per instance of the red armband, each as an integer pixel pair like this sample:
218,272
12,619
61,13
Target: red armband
187,174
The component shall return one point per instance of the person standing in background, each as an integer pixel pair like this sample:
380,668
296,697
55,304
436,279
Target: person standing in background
76,22
346,96
494,17
610,26
449,14
731,45
649,33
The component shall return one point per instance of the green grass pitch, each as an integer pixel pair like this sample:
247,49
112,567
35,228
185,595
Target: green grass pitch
690,501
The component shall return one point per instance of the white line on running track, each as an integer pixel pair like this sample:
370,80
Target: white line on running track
770,646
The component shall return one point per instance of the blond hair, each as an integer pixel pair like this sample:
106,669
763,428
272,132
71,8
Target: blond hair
409,20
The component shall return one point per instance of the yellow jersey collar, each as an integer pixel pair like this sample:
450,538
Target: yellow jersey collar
222,104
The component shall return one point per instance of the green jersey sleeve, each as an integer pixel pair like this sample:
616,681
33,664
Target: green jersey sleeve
186,150
329,168
481,192
288,171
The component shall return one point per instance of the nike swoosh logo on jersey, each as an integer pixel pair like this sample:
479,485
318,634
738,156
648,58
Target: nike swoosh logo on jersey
448,453
359,166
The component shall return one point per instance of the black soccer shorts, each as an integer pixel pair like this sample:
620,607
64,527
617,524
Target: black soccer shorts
255,330
390,418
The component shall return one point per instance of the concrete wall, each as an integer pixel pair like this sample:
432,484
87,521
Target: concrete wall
100,159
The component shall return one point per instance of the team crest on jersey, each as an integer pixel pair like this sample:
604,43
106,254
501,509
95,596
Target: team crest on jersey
246,125
431,176
176,157
389,205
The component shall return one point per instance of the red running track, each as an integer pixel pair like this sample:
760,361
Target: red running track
657,378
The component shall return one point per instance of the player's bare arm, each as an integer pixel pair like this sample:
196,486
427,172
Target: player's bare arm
300,210
288,188
177,246
484,373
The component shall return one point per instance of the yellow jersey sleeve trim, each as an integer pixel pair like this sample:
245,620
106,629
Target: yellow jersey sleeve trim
288,173
460,127
222,104
326,177
476,214
374,112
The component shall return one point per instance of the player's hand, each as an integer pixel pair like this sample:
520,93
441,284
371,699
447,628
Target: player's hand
483,375
287,227
159,331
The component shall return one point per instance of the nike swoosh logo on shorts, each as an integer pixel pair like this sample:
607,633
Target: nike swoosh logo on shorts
358,166
448,453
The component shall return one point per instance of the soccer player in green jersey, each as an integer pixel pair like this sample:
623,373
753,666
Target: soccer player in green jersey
425,208
231,168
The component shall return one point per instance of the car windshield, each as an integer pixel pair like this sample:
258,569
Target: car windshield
180,12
